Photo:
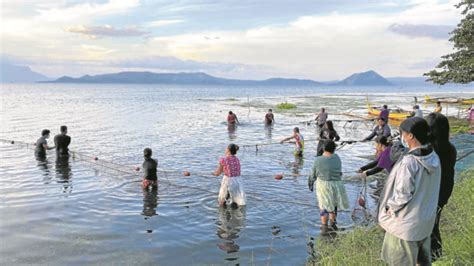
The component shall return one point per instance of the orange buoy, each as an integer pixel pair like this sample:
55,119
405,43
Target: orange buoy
362,201
279,177
186,173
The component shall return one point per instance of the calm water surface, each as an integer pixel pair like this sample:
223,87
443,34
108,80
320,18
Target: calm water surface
81,212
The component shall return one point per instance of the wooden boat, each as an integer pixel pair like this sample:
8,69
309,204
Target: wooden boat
464,101
396,115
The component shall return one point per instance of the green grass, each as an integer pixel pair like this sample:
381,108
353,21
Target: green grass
286,106
362,245
458,125
231,100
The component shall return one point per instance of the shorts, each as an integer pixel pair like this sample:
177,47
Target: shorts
147,183
396,251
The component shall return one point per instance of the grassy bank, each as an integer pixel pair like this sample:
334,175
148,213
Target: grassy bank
458,125
362,246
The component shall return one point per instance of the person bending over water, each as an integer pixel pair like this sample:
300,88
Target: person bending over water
269,117
232,119
149,166
381,129
330,191
42,145
299,141
62,141
231,191
383,160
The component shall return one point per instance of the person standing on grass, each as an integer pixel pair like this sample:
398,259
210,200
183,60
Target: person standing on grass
447,153
330,191
408,203
383,160
299,141
42,145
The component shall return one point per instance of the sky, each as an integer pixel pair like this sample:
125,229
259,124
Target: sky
245,39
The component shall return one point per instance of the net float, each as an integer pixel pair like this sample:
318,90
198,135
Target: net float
96,158
361,201
186,173
137,168
279,177
13,142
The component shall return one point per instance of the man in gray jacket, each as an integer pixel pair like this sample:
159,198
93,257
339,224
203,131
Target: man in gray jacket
407,207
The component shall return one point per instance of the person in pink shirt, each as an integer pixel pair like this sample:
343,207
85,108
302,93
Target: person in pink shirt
232,190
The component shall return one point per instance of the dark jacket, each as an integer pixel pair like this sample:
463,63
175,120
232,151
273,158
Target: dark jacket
448,160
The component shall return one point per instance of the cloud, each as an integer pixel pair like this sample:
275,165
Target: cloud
95,32
173,64
86,10
422,30
165,22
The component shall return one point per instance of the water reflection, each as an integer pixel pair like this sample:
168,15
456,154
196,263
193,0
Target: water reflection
150,202
297,165
64,173
232,128
268,131
231,221
43,165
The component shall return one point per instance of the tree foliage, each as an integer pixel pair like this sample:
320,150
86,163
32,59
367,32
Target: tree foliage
458,67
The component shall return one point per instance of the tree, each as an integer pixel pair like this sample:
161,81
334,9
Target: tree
458,67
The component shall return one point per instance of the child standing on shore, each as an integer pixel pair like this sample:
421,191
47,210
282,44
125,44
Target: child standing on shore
330,191
232,190
149,166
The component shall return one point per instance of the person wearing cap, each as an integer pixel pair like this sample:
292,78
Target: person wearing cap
408,202
385,112
269,117
381,129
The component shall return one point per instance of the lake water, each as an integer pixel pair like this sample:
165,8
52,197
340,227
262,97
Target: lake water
84,212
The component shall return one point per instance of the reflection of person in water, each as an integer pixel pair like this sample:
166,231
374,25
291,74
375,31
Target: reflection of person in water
231,128
150,202
230,222
63,172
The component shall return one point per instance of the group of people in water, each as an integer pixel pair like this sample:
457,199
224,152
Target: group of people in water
420,168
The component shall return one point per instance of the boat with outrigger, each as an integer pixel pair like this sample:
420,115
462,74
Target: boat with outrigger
396,115
462,101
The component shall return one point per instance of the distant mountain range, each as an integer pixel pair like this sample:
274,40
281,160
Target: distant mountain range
19,74
23,74
180,78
